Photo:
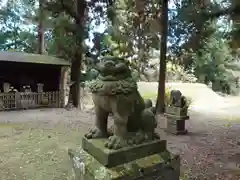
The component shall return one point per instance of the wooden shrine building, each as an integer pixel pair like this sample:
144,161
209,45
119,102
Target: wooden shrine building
32,81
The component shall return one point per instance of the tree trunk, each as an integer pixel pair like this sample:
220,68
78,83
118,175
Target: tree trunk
77,61
74,96
163,50
40,29
235,40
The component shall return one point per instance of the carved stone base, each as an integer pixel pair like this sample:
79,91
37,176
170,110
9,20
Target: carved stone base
176,132
176,124
110,158
160,166
175,111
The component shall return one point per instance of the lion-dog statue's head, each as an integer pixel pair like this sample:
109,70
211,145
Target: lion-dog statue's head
114,77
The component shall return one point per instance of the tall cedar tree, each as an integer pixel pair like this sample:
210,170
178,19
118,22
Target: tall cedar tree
163,50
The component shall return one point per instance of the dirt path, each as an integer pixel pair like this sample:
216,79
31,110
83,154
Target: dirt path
211,150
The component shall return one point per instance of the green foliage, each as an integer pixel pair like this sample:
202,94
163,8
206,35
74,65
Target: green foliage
149,95
12,36
211,62
135,75
153,96
133,33
167,97
178,73
132,30
174,73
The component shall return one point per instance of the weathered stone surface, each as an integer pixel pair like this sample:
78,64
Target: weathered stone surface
176,127
176,124
110,158
175,111
160,166
178,100
115,92
133,151
175,117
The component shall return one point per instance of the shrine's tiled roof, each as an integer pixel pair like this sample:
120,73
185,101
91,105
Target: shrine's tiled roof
31,58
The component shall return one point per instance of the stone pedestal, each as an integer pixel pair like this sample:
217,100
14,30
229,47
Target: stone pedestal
147,161
40,87
111,158
6,87
176,118
63,85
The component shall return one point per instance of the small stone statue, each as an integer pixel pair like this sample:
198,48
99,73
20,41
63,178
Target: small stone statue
177,99
176,113
6,87
115,91
40,87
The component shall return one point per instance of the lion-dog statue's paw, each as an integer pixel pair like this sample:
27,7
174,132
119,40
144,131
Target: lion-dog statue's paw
115,142
95,133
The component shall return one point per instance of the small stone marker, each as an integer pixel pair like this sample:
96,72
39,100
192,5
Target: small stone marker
176,113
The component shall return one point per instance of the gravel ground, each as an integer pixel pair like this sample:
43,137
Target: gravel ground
211,150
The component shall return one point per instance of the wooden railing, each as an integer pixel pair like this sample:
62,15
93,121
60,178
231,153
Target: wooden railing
27,100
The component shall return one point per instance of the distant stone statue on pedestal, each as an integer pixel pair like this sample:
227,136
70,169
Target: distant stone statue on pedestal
6,87
40,87
177,113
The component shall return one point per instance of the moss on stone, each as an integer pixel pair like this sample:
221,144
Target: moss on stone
112,158
97,171
125,86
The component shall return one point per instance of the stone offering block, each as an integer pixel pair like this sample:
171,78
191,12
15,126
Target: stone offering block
110,158
175,111
176,127
176,124
175,117
159,166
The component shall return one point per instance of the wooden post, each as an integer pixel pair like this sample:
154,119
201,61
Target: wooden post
63,85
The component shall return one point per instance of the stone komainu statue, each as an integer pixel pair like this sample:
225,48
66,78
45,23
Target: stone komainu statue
115,91
177,99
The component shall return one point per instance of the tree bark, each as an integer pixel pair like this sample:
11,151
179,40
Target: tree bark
75,93
41,48
74,96
235,39
162,64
